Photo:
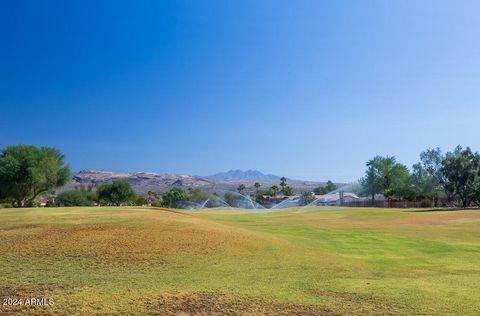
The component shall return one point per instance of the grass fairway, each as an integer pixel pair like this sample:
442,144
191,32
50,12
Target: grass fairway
324,262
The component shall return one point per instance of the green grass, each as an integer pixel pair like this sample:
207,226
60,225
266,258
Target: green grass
324,261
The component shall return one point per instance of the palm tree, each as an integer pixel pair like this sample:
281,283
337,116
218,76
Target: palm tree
384,175
274,190
257,185
283,182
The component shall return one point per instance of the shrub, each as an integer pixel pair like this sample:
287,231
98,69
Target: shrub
141,201
157,203
6,203
50,204
76,198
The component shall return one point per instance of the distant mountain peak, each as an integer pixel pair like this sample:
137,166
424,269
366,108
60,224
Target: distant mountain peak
238,174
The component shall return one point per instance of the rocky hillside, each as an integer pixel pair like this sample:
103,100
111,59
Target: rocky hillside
158,182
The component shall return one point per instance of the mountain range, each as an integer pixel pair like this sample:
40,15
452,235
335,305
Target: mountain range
244,175
160,183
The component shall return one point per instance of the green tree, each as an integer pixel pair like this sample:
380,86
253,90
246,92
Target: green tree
306,198
371,182
426,175
260,195
197,195
28,171
118,192
174,196
256,197
398,186
288,191
327,188
330,186
241,189
318,191
460,170
473,191
385,176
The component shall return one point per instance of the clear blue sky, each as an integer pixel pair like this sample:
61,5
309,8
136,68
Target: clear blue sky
305,89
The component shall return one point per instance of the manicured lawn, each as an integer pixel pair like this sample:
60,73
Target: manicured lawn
323,261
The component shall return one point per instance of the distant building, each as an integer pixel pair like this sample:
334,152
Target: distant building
378,197
337,198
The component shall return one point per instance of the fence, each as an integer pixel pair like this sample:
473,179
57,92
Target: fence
386,204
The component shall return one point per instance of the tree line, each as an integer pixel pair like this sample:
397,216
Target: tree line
27,172
453,177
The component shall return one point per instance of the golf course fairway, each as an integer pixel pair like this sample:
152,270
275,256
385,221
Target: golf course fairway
319,261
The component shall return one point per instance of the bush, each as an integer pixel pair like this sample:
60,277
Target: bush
157,203
76,198
50,204
141,201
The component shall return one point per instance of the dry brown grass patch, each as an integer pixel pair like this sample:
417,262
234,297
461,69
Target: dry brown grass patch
212,303
146,240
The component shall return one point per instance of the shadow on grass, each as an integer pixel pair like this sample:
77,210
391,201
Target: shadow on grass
445,209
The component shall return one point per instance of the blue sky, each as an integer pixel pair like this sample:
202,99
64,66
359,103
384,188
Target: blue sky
305,89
